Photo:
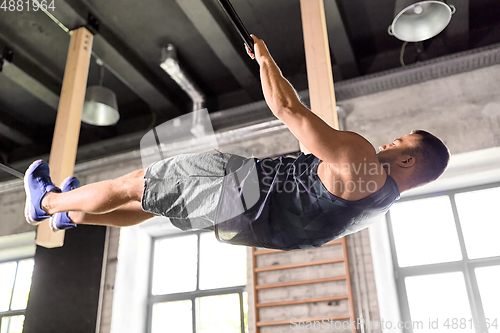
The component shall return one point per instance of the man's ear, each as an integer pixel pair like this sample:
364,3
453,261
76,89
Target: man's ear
406,161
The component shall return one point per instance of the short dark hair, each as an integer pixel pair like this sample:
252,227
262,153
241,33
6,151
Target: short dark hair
432,157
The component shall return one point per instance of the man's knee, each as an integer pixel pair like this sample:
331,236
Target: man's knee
134,184
77,217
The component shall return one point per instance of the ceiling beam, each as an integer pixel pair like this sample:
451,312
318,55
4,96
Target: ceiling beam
210,29
30,63
14,135
339,41
122,61
457,31
30,84
247,12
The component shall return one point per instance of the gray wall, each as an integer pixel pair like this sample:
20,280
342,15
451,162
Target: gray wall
464,110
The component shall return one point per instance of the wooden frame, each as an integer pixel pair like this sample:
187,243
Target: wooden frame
257,287
67,129
319,67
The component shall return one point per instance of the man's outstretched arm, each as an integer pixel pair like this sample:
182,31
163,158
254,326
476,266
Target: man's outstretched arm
322,140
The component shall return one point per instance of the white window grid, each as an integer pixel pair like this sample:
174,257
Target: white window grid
10,312
193,295
466,266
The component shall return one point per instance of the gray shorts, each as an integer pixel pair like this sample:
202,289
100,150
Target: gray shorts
186,188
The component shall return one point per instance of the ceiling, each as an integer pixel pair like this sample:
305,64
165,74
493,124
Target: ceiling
129,35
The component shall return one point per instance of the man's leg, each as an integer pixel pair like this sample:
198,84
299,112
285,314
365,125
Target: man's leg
127,215
98,198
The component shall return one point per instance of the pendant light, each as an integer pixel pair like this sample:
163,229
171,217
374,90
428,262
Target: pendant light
419,21
100,107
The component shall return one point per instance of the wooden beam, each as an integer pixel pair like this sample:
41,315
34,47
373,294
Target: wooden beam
126,65
67,129
300,264
300,283
302,320
255,283
302,301
319,67
348,282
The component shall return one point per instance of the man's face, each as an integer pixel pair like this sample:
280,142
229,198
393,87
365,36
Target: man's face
401,143
389,152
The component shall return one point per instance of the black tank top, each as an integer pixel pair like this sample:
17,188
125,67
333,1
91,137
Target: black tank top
282,204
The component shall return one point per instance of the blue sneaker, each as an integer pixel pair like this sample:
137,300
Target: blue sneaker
61,221
37,184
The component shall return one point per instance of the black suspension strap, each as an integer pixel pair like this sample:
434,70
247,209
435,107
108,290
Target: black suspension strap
238,25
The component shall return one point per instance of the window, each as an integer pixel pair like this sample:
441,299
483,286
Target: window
16,269
197,285
447,260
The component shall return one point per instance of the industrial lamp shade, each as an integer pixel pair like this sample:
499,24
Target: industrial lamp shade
100,107
419,21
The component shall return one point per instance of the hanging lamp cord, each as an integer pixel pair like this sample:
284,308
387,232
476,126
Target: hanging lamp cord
401,56
101,75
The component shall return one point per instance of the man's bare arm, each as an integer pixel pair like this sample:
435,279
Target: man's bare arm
322,140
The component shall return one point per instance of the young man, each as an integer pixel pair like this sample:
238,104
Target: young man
303,202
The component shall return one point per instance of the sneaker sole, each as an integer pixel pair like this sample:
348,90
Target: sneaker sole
27,206
52,224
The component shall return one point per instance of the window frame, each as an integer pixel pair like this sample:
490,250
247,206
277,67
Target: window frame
466,266
12,313
190,295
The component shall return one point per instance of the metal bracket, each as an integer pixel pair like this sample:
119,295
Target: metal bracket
7,55
93,24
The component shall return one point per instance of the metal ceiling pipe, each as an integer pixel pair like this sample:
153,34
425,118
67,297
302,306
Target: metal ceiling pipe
170,64
416,21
